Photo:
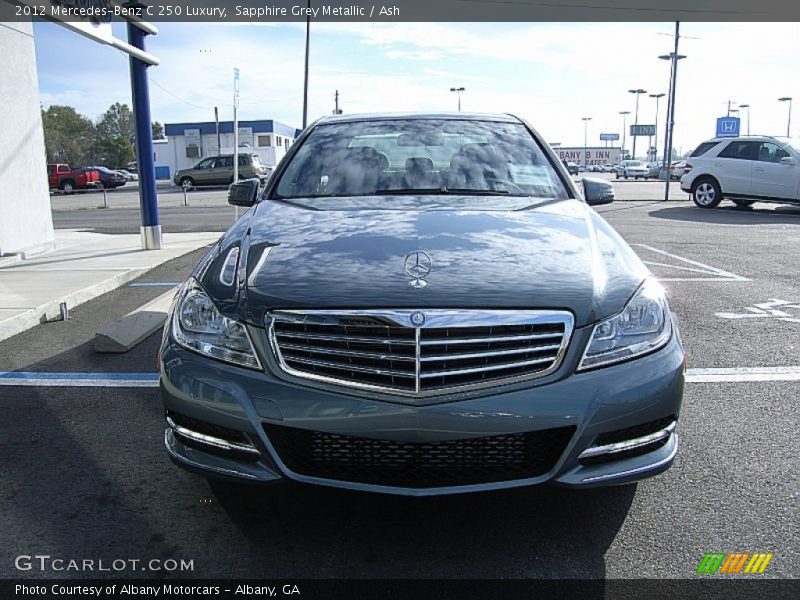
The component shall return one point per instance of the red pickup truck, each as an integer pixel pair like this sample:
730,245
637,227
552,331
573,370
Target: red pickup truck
61,177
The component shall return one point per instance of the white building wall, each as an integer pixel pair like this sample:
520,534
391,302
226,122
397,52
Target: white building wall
26,224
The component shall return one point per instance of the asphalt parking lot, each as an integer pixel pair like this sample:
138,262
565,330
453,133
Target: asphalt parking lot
85,474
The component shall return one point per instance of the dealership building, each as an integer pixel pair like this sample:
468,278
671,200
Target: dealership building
188,143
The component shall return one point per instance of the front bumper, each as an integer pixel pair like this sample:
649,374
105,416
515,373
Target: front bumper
591,405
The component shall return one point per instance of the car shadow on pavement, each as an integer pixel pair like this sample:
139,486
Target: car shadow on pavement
731,215
519,533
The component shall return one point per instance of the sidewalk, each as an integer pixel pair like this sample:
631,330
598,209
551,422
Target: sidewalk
82,266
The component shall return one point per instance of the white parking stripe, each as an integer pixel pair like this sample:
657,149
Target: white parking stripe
150,380
743,374
715,274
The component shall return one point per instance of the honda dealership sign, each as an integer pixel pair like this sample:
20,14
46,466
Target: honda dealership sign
728,127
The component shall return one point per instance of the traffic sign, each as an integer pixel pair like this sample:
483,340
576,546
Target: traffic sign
609,137
643,130
728,126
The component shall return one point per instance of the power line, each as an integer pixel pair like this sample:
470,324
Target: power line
179,98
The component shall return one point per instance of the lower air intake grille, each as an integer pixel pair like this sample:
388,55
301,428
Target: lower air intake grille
419,465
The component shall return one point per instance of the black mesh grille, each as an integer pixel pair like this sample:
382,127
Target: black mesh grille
419,465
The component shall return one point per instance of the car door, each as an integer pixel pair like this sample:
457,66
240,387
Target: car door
223,170
203,172
733,166
771,177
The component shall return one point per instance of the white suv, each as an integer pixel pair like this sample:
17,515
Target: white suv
744,170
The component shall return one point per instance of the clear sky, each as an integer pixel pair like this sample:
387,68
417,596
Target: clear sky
549,73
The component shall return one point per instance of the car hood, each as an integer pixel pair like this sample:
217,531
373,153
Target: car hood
485,253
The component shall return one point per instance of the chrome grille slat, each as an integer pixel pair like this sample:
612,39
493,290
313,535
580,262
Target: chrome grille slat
452,350
490,353
344,367
483,340
499,367
345,338
349,353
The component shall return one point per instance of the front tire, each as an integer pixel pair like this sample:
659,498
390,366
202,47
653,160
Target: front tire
706,193
68,187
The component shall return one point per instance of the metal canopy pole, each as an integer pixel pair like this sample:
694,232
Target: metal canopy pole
670,132
140,89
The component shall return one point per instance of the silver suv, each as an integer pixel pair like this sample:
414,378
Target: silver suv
744,170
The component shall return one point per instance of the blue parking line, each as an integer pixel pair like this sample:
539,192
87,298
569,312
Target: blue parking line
154,284
38,379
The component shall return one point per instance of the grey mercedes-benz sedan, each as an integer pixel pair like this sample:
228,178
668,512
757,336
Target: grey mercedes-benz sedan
422,304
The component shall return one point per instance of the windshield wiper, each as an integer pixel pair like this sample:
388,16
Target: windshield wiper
441,190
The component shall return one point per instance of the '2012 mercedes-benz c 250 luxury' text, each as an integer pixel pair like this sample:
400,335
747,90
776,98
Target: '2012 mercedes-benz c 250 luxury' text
422,304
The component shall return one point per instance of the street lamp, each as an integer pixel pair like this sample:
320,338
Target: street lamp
458,91
747,106
656,96
585,138
789,122
624,114
673,72
638,93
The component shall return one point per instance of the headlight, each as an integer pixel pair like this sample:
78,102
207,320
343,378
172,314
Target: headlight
643,326
197,325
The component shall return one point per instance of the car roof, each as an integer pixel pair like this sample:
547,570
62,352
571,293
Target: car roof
462,116
746,138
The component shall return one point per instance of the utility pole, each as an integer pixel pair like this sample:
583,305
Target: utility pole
216,124
336,110
674,84
305,83
236,130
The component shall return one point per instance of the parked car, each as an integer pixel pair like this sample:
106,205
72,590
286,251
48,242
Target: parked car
108,179
632,168
653,169
61,177
128,175
744,170
676,170
218,170
411,306
132,166
571,167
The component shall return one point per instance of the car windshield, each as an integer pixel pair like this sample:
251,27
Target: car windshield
793,142
424,156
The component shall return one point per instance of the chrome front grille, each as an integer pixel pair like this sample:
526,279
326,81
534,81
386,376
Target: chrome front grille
450,350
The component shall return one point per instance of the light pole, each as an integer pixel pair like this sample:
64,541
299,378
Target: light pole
585,138
624,114
789,121
638,93
458,91
305,78
673,57
655,145
747,106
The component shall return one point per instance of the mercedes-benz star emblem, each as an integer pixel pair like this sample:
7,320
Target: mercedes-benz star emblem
417,318
418,266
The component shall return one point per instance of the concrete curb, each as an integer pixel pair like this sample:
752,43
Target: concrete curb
132,329
51,310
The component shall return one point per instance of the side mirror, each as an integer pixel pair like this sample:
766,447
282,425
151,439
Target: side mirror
244,193
789,160
597,191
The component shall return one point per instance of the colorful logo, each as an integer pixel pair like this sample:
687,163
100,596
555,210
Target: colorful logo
734,563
